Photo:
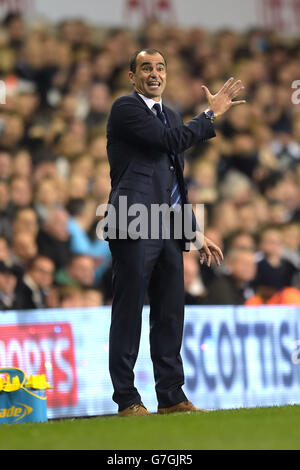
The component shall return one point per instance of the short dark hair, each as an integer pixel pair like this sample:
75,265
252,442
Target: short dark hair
31,263
267,228
151,51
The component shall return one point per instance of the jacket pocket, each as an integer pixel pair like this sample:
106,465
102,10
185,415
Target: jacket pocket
136,185
142,170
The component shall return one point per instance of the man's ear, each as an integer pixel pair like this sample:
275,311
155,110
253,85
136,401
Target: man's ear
131,77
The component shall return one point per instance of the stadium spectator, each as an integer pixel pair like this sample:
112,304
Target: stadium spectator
240,239
265,295
46,197
92,297
24,248
22,164
15,28
272,269
81,240
233,287
20,192
98,105
26,220
246,213
9,298
291,249
37,280
79,272
70,297
224,218
53,238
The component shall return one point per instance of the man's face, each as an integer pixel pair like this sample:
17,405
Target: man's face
21,192
8,282
150,77
243,267
26,221
271,243
42,272
24,246
82,270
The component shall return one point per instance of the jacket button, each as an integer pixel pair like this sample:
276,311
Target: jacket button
171,168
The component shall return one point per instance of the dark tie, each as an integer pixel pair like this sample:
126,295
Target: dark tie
160,114
175,193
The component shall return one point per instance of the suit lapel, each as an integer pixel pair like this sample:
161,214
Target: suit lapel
171,120
169,115
137,96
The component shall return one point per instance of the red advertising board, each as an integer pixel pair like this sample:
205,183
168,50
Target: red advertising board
43,348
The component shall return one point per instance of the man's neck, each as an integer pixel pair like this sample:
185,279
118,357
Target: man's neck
149,101
154,98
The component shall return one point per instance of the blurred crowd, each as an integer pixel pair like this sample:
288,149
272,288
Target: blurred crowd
60,83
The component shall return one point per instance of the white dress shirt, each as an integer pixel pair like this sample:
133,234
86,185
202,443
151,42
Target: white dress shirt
150,102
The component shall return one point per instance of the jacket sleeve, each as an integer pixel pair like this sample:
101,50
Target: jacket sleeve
131,121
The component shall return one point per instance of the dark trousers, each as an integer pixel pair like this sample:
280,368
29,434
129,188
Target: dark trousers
156,267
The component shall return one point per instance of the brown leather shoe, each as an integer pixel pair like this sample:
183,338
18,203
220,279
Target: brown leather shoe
137,409
182,407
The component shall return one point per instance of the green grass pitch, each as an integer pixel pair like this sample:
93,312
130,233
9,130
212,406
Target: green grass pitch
254,428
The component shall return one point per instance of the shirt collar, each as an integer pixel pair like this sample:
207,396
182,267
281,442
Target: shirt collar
150,102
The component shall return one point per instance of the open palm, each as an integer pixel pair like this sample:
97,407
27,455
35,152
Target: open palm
222,101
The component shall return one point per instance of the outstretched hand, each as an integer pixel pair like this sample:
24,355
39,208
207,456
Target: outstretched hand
210,252
222,101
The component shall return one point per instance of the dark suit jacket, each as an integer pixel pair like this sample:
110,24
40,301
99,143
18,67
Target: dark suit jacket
30,295
59,251
139,148
224,291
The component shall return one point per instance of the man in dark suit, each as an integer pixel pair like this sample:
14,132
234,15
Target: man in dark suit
145,145
36,283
